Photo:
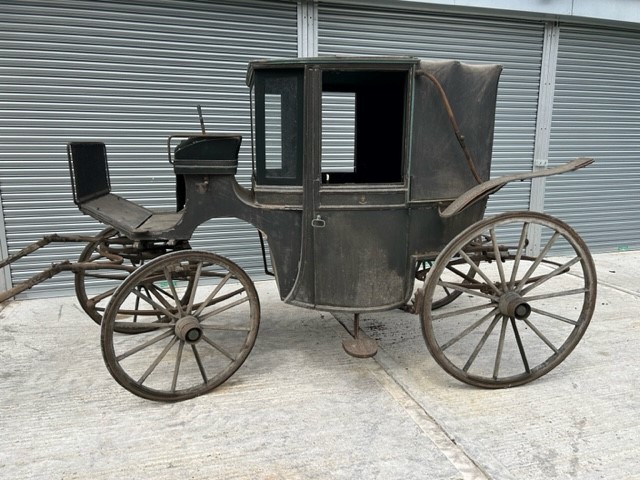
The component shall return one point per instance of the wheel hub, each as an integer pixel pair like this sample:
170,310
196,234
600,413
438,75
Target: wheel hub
512,304
188,329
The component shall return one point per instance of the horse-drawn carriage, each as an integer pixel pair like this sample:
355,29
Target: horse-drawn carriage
396,223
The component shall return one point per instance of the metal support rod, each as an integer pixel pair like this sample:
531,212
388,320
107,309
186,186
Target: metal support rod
356,325
264,256
201,120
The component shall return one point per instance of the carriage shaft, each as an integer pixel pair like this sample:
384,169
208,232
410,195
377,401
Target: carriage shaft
55,268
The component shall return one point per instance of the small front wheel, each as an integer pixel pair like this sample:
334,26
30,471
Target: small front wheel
521,314
198,316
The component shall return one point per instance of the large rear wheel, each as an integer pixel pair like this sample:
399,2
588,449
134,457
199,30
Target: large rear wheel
520,315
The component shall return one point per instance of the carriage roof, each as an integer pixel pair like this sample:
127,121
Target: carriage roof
404,128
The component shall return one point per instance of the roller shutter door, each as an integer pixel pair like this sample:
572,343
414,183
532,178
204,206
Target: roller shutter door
127,74
344,30
596,113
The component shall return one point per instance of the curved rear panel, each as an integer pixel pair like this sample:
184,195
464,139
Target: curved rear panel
439,168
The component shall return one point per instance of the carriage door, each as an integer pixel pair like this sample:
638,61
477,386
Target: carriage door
360,220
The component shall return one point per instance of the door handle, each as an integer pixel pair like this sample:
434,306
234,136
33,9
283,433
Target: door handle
318,222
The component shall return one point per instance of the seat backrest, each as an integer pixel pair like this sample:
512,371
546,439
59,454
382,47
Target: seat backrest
89,170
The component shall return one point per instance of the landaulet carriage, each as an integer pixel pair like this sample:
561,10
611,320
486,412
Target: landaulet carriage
393,218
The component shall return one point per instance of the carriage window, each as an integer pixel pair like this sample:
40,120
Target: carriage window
338,132
278,128
363,126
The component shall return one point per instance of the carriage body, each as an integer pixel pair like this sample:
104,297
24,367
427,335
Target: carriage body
347,235
363,169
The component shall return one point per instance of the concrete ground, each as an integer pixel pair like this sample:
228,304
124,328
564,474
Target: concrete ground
301,408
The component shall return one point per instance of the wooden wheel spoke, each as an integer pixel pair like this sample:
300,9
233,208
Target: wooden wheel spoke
460,288
202,305
224,328
523,354
480,344
101,296
144,345
468,330
564,293
223,309
136,306
212,295
496,365
133,327
194,287
156,306
218,348
199,362
477,269
462,311
462,275
227,296
174,293
559,270
160,295
516,263
157,361
498,257
176,369
541,335
554,316
537,261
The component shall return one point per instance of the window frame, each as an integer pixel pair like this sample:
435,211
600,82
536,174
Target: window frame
295,129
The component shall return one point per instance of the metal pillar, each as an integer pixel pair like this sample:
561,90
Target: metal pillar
307,28
543,127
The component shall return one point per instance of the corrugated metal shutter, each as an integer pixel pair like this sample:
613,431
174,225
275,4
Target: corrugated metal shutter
596,113
345,30
128,74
